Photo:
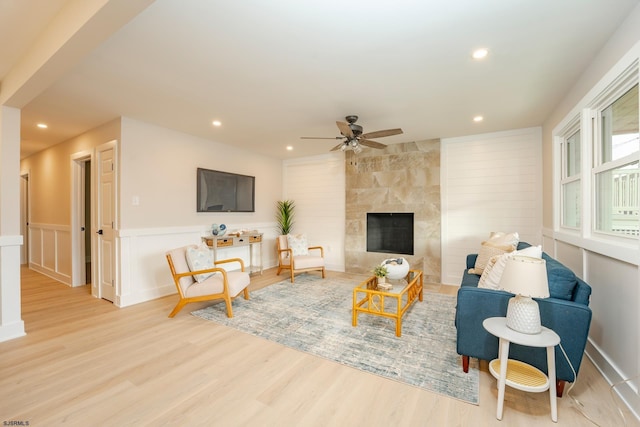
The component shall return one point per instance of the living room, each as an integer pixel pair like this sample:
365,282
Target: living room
156,166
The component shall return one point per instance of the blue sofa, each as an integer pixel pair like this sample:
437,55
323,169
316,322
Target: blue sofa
566,312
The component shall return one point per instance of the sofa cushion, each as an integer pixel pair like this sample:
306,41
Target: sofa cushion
469,279
561,280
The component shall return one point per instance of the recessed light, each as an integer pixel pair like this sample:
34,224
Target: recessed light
289,147
216,123
480,53
42,126
478,119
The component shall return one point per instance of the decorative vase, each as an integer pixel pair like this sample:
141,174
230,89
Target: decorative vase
382,280
397,268
215,229
222,229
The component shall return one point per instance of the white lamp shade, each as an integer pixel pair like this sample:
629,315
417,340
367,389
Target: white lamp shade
525,276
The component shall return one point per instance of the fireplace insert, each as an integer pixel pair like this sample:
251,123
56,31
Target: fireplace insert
390,232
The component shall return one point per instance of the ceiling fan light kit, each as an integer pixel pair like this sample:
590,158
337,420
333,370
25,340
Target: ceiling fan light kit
354,139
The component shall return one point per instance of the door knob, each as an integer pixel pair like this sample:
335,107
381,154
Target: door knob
99,232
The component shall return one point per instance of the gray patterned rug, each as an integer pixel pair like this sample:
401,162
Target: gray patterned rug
314,315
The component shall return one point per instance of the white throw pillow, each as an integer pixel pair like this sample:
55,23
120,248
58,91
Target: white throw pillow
492,273
200,258
298,244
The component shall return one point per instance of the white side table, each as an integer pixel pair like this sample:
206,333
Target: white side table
522,376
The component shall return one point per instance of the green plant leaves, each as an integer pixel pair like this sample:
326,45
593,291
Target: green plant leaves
284,215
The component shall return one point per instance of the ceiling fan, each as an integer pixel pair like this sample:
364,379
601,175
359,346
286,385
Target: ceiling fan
353,138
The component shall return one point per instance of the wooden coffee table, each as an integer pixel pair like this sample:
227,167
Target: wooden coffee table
368,299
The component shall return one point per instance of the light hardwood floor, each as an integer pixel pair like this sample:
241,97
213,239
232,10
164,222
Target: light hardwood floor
85,362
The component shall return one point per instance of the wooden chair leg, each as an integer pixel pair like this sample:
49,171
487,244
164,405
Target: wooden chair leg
323,273
560,387
177,308
246,293
292,275
227,302
465,364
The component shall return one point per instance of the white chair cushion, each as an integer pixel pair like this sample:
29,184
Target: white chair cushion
179,259
238,280
308,261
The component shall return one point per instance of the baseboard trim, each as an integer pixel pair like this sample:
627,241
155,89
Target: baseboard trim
625,390
12,331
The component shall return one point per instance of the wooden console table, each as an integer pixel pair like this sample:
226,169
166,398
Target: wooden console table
248,240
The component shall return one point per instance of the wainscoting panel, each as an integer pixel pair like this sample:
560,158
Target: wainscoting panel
490,182
613,338
50,251
144,273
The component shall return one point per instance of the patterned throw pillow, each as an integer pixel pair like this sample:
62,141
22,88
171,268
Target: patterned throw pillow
492,273
298,244
200,258
487,250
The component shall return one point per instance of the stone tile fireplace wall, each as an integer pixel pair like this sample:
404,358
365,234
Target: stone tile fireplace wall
399,178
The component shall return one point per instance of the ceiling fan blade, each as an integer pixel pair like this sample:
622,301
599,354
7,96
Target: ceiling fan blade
321,137
345,129
337,147
372,144
382,133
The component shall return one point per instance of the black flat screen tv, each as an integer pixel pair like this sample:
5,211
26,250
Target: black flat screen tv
225,192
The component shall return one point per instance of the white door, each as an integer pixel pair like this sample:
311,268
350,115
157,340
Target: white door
105,221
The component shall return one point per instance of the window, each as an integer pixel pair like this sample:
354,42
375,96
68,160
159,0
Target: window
616,166
570,184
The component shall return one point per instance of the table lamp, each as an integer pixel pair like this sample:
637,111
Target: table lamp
525,277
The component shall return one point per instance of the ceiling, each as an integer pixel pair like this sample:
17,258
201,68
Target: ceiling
274,71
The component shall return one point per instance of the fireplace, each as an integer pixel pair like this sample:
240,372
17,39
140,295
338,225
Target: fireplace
390,233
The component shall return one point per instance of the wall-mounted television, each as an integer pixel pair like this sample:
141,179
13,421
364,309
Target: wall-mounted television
225,192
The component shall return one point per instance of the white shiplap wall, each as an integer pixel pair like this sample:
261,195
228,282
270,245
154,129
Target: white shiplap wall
316,184
490,182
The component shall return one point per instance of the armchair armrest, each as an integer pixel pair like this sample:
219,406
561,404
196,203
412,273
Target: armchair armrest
230,260
317,248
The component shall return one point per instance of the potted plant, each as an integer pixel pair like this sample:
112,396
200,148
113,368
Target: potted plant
381,273
284,215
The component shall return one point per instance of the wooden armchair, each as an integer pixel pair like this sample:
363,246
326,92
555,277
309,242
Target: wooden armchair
300,259
224,284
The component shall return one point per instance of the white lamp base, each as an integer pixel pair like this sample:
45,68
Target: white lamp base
523,315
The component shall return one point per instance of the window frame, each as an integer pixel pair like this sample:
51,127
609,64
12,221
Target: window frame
573,127
619,87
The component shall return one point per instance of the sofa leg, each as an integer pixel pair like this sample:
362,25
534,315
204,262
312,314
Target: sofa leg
465,364
560,387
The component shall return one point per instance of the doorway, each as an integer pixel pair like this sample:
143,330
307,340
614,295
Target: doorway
24,218
94,220
81,220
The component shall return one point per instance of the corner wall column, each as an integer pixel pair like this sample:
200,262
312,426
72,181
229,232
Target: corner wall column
11,324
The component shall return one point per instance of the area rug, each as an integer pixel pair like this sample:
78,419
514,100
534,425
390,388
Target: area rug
314,315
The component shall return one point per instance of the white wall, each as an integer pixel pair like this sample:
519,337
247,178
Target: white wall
158,166
317,186
612,271
490,182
